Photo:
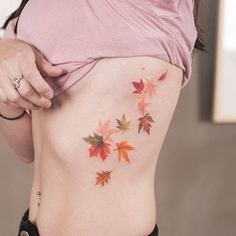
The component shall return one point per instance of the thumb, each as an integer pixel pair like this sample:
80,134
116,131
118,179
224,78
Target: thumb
45,67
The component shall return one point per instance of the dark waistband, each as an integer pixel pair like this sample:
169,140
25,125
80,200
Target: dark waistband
27,228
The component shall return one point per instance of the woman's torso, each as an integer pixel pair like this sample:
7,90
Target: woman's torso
70,202
69,205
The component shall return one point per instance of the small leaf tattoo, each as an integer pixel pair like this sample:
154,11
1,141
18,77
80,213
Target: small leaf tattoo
103,177
98,148
142,105
122,150
139,86
145,123
163,75
105,131
149,88
123,124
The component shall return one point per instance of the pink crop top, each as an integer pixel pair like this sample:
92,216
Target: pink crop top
74,34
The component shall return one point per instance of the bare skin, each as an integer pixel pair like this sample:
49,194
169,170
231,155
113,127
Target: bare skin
83,189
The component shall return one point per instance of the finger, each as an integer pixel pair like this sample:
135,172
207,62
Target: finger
14,97
8,93
14,105
3,97
45,67
32,75
28,92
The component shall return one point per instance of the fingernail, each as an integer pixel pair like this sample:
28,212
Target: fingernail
48,104
49,95
57,70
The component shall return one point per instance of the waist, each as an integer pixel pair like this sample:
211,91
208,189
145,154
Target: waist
71,204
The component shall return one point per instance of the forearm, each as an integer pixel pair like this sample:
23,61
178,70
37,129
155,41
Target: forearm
18,133
20,58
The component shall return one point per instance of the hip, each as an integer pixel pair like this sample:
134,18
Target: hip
76,209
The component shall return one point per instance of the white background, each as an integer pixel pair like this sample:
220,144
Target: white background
227,83
6,8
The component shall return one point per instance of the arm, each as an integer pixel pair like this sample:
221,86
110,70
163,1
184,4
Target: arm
13,130
18,57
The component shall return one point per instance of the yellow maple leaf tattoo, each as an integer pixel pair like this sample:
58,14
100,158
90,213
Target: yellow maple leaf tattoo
122,150
123,124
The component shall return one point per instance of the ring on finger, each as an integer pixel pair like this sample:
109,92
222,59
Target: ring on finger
16,81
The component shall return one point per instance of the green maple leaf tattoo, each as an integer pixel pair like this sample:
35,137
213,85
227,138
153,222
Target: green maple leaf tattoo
94,140
98,147
123,124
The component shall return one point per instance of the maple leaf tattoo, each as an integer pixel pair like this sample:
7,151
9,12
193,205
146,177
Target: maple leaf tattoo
103,177
122,150
139,86
123,124
145,123
105,131
98,148
142,105
163,75
149,87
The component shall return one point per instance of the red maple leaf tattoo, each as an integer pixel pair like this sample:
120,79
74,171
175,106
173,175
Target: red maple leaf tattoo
98,148
139,86
162,75
145,123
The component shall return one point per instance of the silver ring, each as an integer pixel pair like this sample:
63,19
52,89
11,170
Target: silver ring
16,81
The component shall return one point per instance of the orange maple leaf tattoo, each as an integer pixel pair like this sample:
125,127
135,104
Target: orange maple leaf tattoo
105,131
101,151
145,123
98,148
103,177
149,88
123,148
142,105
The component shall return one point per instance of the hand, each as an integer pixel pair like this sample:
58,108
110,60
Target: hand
10,111
19,58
